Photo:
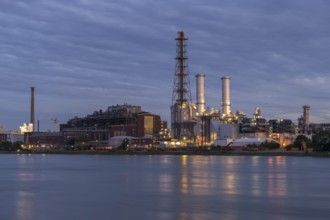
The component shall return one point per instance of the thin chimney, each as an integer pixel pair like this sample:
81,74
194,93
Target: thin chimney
32,108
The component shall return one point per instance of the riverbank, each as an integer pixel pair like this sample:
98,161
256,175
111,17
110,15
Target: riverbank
202,153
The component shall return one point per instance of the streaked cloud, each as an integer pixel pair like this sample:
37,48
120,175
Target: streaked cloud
84,55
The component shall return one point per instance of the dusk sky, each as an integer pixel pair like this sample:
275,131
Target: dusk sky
86,55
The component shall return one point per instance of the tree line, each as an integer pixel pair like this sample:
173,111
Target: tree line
8,146
320,141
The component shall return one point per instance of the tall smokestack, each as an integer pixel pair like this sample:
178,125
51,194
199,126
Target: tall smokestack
32,107
306,118
226,95
200,96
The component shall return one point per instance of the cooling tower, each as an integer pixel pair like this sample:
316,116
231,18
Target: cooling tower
200,95
226,95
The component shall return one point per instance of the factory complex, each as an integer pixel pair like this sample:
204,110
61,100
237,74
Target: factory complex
192,124
195,124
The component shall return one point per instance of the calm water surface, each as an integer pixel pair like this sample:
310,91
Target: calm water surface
60,187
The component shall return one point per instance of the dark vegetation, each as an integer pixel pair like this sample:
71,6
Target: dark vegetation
9,146
299,143
267,145
321,141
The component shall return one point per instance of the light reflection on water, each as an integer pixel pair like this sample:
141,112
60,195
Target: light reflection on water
162,187
25,205
25,200
277,186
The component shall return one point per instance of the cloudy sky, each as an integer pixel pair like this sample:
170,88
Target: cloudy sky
85,55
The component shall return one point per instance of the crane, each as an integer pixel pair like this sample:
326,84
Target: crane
56,122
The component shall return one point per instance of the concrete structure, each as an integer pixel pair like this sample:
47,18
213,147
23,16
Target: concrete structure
3,138
281,126
304,126
182,109
317,127
254,125
226,95
306,118
81,136
164,131
200,95
11,136
226,133
148,124
44,139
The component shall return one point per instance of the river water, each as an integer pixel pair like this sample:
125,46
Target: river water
60,187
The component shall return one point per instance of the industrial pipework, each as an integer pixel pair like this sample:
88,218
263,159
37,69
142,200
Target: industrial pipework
200,95
226,95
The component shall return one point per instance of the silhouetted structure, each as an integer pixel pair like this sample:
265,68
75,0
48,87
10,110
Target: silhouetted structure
303,121
118,120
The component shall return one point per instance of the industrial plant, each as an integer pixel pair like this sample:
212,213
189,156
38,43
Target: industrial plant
192,123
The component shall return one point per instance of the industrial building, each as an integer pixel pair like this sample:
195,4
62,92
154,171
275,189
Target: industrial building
191,123
308,128
43,139
200,125
117,120
3,138
12,137
96,130
281,126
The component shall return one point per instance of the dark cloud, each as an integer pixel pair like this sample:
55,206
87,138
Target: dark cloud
84,55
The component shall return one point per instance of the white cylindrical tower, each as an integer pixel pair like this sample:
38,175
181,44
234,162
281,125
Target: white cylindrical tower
226,95
200,95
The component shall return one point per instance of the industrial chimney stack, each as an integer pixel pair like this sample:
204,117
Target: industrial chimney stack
200,95
226,95
32,107
306,118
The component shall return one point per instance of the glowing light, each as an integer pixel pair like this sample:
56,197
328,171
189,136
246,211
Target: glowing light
184,177
277,184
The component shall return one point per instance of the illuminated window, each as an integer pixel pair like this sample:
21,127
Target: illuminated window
148,124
